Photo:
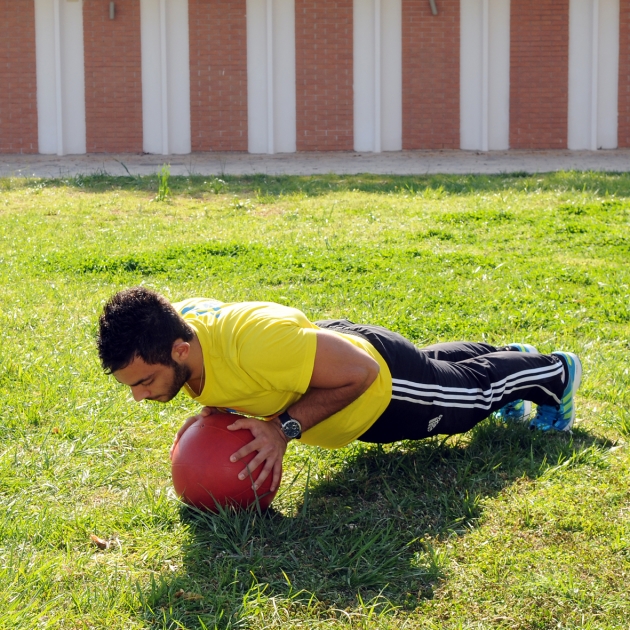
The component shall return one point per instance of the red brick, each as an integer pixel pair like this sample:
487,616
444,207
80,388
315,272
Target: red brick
539,74
113,77
18,78
218,75
430,75
324,75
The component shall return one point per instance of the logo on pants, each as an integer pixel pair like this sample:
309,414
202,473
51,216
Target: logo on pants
433,423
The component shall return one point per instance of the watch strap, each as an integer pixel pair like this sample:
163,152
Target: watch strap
287,420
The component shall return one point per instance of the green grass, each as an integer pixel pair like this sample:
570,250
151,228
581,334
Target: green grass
500,528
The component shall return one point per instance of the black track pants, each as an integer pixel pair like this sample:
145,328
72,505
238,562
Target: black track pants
448,388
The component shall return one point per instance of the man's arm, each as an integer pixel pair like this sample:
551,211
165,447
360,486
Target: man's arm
341,373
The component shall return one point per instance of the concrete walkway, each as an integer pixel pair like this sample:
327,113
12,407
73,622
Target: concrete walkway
394,163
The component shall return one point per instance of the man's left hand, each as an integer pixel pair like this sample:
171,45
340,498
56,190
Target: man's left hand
271,444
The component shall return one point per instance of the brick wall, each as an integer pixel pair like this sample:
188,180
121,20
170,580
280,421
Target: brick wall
430,75
324,75
623,133
18,78
539,74
113,77
218,75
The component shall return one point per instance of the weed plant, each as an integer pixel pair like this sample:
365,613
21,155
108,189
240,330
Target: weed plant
163,177
498,528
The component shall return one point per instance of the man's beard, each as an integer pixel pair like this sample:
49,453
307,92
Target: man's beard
181,373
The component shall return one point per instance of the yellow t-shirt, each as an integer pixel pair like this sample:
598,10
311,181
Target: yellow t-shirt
258,360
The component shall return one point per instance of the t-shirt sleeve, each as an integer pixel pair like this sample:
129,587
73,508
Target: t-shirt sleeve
276,347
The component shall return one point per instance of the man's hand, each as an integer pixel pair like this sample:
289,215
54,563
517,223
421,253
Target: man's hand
271,444
206,411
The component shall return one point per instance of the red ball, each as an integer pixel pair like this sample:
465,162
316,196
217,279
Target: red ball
203,474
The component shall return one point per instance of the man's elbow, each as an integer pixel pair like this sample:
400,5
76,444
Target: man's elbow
370,371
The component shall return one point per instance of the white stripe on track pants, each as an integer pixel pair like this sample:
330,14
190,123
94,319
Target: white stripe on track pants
448,388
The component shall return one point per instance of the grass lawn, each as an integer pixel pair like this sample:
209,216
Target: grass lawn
499,528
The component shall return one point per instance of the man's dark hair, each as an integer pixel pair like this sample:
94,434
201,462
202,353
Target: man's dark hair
138,322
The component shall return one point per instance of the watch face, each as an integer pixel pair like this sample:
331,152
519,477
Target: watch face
292,428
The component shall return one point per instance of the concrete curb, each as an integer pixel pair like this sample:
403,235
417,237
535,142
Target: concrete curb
394,163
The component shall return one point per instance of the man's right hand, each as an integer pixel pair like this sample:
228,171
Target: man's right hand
205,412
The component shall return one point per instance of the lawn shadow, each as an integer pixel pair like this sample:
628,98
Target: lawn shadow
266,187
372,530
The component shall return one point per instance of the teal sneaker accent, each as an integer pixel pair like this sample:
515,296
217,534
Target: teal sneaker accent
562,416
517,410
523,347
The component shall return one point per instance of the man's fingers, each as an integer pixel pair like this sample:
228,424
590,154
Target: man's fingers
276,468
269,445
271,466
277,475
250,447
250,468
253,465
243,423
264,473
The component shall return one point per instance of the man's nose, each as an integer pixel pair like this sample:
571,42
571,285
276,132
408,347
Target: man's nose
139,393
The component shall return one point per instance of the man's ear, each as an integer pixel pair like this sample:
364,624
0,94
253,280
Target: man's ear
180,351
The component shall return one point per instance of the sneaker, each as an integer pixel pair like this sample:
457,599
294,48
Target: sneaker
562,416
517,410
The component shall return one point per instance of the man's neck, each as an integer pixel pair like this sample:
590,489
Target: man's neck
195,362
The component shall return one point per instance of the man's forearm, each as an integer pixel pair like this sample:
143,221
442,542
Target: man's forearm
318,404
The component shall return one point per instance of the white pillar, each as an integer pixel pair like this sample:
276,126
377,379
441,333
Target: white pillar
485,79
608,74
377,55
593,74
60,76
58,83
485,74
364,71
499,75
391,75
271,100
270,82
165,76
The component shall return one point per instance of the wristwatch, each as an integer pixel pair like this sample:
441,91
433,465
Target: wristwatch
290,426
